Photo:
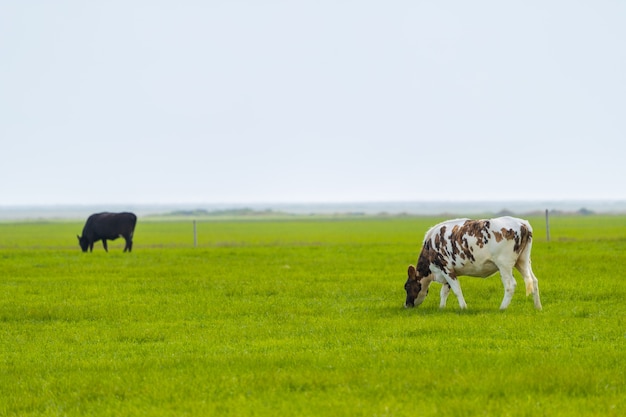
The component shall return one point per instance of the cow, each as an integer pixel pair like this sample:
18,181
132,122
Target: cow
477,248
108,226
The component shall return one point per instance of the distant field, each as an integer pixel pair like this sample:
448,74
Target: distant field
303,317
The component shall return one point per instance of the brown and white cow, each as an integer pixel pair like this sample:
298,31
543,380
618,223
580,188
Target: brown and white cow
476,248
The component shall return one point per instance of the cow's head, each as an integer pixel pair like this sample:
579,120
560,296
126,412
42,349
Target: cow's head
416,288
83,242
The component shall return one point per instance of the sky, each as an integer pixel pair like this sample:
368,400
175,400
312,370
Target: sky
190,101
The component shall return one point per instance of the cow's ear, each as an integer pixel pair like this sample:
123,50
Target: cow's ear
412,272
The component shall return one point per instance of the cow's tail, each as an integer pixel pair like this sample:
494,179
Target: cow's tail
524,265
526,244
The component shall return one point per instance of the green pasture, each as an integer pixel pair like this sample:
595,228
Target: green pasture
304,317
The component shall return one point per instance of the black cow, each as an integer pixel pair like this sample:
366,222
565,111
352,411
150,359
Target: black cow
103,226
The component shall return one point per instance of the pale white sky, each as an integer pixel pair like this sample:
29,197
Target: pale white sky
309,101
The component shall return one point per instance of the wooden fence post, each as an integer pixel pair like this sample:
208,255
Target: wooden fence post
547,225
195,235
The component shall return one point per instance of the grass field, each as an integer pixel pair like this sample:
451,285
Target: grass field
304,317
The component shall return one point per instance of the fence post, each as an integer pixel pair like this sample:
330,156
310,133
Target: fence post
195,235
547,225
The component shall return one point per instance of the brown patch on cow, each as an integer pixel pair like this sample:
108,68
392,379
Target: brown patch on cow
521,239
440,239
428,256
498,236
479,229
509,234
454,243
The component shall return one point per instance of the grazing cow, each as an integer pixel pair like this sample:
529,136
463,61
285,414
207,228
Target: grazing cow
103,226
476,248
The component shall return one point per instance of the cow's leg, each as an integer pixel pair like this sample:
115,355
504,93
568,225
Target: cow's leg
508,281
129,244
445,291
104,243
453,282
91,246
532,285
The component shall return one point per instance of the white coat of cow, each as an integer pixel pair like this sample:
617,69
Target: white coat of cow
477,248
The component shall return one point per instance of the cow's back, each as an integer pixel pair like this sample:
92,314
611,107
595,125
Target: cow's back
109,225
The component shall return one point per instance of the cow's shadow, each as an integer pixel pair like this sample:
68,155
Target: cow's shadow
436,311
